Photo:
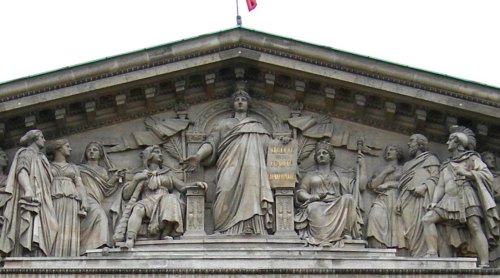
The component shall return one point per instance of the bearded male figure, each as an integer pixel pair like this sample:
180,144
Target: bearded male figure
416,186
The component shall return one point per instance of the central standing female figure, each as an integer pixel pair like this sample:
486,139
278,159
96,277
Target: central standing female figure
243,199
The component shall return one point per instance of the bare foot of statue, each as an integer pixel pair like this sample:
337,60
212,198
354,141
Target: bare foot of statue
347,237
248,230
326,244
431,254
129,243
119,237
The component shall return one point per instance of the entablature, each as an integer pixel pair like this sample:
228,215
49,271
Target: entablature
343,85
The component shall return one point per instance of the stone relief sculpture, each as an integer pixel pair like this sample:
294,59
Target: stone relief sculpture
101,179
463,196
69,199
382,227
153,193
328,210
243,201
61,209
30,223
4,197
416,187
491,162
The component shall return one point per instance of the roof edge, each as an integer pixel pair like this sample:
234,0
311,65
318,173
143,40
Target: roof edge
233,36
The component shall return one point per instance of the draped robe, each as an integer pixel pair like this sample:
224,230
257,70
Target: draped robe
26,225
243,193
67,203
330,219
423,169
382,219
95,229
495,251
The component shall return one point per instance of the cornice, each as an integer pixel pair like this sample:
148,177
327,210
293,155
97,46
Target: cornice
260,42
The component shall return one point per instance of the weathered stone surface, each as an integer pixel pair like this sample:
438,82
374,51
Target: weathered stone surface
177,97
248,252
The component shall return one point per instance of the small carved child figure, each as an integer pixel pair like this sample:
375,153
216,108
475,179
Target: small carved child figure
154,193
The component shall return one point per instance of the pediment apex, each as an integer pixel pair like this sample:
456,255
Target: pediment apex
243,38
281,70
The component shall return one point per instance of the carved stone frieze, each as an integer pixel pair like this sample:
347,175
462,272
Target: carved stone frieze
248,141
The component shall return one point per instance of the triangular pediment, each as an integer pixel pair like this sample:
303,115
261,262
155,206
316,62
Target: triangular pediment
279,70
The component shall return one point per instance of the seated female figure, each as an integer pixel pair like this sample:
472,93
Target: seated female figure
328,209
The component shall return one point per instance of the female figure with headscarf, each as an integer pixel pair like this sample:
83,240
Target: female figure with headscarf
101,180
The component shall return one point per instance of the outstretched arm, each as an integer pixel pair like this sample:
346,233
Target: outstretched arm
193,161
183,186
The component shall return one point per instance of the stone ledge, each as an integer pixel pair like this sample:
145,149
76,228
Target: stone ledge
239,253
178,272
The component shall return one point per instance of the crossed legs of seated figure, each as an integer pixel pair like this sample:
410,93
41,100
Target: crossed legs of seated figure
478,238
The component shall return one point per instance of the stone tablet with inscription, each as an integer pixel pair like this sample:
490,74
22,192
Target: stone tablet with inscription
282,163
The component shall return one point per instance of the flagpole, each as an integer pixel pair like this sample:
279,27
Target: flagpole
238,17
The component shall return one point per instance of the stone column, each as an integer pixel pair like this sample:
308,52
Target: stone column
195,213
284,212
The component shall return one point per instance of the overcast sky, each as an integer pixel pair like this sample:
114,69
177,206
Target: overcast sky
453,37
